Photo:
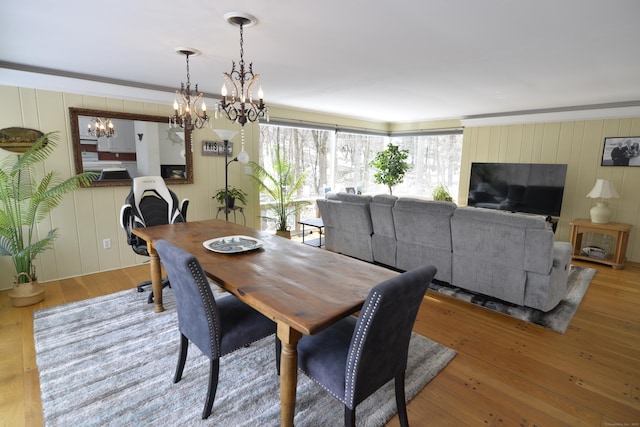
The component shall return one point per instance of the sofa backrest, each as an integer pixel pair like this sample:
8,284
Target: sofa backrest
423,234
513,240
350,212
424,222
381,215
383,240
347,222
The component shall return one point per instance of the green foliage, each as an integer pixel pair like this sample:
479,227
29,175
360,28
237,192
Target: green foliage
391,165
281,186
441,193
236,193
24,202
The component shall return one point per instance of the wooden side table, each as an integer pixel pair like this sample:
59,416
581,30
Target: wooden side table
618,231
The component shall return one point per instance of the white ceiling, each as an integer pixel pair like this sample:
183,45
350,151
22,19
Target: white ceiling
400,61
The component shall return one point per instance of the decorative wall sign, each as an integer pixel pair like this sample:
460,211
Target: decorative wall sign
18,140
216,148
621,151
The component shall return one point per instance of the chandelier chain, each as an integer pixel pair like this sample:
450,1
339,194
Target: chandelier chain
241,45
188,74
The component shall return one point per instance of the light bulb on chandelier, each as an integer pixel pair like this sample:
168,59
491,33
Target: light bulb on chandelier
101,128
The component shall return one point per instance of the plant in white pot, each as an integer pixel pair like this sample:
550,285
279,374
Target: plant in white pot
25,200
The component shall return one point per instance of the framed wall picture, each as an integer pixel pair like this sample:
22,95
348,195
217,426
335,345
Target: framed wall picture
621,151
18,140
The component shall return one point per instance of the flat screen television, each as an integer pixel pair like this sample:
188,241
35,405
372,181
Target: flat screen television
518,187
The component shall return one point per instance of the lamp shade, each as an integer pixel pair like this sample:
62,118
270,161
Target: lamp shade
226,135
603,189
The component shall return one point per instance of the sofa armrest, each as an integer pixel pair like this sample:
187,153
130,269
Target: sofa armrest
561,254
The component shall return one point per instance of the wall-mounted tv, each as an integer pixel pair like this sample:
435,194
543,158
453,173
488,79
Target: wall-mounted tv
518,187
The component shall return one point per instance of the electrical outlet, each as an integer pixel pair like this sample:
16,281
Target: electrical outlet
106,244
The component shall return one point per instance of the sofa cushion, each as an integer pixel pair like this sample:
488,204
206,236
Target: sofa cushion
347,224
423,231
383,240
381,215
423,221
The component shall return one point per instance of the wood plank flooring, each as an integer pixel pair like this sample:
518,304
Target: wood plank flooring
506,373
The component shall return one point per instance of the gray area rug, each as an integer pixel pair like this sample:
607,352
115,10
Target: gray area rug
557,319
109,361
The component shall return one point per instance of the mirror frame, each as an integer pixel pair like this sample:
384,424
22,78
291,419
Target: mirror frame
74,113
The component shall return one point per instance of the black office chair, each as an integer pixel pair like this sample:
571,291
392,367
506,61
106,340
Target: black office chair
215,327
150,203
355,357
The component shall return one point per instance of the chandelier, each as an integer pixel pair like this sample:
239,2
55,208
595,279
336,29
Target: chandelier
99,128
239,106
186,113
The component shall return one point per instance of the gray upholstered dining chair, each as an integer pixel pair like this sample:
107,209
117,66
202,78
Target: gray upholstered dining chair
216,327
356,356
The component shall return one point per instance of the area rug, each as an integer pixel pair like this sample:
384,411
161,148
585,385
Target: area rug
557,319
109,361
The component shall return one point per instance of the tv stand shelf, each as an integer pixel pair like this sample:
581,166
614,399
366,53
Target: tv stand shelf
618,231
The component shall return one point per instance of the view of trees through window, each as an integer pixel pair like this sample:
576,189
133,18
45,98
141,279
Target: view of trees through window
337,161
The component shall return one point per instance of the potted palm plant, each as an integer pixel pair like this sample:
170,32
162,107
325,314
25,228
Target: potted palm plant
24,202
281,186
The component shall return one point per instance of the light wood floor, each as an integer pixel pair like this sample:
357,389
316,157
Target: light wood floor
506,373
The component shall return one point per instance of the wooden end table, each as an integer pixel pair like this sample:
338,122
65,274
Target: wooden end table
618,231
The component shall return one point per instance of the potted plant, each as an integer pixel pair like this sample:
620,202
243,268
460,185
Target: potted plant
24,202
232,194
441,194
392,165
281,186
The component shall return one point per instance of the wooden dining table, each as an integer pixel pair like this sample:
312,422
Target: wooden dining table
301,288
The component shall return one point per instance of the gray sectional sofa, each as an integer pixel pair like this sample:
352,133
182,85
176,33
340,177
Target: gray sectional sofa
506,255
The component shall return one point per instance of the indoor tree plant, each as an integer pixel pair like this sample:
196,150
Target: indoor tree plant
391,165
231,195
281,186
24,202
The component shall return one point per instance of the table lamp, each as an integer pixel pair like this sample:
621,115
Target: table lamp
603,189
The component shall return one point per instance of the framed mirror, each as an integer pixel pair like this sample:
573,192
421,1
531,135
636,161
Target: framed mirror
138,145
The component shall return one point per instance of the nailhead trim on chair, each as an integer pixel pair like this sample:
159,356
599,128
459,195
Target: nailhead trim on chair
360,334
202,282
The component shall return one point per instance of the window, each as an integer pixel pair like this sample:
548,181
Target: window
337,160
